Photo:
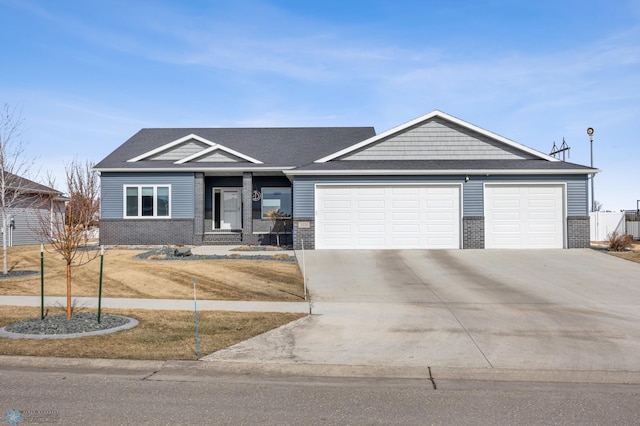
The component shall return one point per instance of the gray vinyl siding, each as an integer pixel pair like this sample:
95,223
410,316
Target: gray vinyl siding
182,192
438,139
181,151
27,225
472,191
217,156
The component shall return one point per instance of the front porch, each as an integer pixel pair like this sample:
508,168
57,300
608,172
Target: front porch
232,210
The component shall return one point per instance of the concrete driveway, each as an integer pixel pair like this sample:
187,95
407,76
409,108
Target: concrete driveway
525,309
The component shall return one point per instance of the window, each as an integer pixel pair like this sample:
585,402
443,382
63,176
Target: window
147,201
278,199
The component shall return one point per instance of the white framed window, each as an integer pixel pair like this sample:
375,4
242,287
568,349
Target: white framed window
147,201
276,199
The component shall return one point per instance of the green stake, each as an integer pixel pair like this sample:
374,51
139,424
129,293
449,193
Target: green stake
195,316
41,281
100,287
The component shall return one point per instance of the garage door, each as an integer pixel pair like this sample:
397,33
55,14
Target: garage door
524,216
387,216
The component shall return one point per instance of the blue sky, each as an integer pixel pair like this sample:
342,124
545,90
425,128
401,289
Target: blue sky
87,75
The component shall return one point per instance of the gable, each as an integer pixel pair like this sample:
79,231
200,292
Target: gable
436,136
193,148
438,139
179,152
217,156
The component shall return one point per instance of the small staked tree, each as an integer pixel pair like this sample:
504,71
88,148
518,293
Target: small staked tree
279,220
67,228
13,165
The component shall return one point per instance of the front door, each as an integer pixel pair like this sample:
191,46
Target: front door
227,207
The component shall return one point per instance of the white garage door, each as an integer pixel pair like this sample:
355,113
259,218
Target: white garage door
387,216
524,216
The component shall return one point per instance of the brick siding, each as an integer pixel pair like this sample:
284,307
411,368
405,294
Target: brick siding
578,232
306,234
146,231
473,232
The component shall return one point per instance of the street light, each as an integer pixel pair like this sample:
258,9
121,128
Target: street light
593,200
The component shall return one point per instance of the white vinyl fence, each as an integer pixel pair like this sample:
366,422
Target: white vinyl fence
604,223
633,229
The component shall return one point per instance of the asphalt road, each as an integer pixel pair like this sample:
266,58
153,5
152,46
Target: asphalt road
76,395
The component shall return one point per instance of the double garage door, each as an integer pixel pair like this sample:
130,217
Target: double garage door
387,216
428,216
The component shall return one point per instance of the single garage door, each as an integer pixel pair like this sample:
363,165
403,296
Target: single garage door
387,216
524,216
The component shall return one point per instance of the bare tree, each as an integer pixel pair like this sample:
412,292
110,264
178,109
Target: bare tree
13,165
279,220
597,206
67,226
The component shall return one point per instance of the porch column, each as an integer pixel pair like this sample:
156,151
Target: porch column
198,214
247,207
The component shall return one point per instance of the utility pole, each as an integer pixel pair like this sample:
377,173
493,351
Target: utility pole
593,175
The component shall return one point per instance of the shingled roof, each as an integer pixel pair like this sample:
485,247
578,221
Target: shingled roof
272,147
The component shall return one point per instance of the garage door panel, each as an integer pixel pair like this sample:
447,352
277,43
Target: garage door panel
341,242
524,216
336,191
370,204
441,216
505,203
440,243
405,216
544,228
407,242
366,228
369,242
390,216
367,191
337,229
440,228
542,204
506,215
406,228
405,204
542,190
542,215
405,190
506,228
337,216
370,215
336,204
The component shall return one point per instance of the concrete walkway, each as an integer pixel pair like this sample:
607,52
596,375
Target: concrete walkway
160,304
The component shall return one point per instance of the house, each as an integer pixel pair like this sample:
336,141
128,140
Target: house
27,204
433,182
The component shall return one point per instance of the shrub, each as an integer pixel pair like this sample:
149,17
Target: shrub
620,242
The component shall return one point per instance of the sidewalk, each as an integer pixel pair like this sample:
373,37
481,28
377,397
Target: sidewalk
160,304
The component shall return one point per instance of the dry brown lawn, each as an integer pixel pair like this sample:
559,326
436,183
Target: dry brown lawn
629,255
632,255
161,335
125,276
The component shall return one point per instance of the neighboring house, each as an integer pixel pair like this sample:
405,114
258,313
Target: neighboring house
28,204
434,182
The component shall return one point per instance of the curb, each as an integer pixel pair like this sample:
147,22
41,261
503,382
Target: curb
204,370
